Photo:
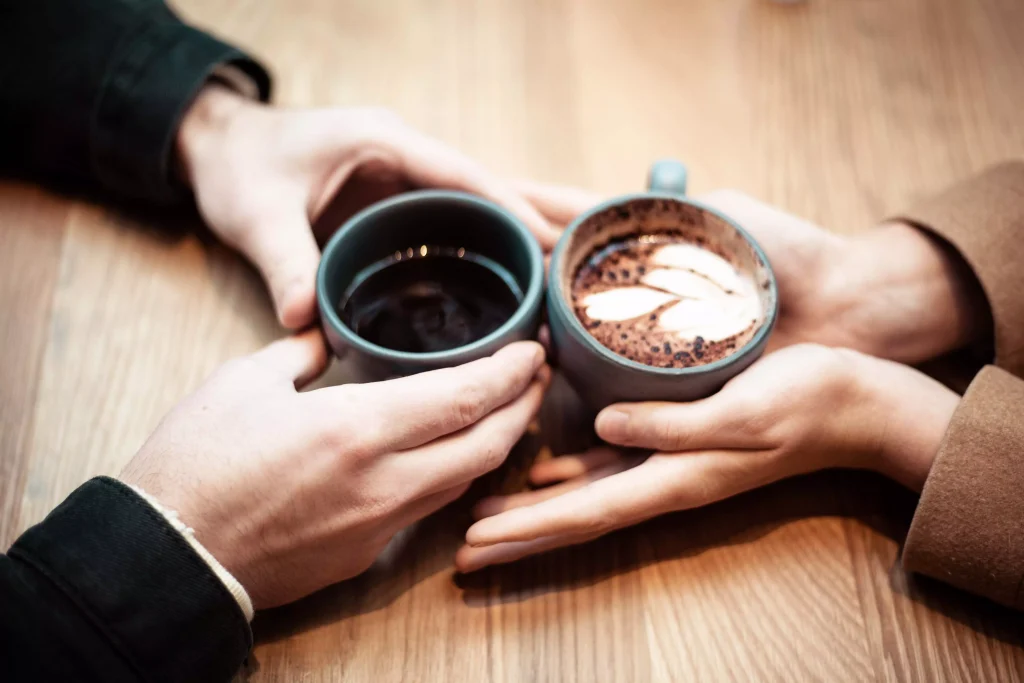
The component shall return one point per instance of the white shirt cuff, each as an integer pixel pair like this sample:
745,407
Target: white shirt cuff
229,581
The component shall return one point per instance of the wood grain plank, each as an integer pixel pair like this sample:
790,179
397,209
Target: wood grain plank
839,111
31,235
139,317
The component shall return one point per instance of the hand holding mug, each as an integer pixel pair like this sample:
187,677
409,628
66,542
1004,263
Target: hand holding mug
261,174
294,491
800,409
893,291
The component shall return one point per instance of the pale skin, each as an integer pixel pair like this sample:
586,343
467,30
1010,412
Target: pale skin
262,175
275,482
294,491
892,292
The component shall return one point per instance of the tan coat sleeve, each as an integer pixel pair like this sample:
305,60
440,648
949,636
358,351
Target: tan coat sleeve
983,218
969,526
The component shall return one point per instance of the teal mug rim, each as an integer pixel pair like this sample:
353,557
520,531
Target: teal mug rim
531,297
557,296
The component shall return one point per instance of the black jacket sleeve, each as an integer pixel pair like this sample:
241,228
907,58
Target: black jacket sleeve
92,91
104,589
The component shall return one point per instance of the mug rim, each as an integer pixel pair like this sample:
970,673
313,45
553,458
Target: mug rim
531,296
557,296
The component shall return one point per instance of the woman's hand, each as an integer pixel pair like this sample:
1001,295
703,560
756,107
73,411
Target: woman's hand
797,410
892,291
292,492
262,174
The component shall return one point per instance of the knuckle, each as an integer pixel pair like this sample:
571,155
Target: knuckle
470,404
494,455
486,459
356,426
335,437
346,398
667,434
354,443
384,503
376,504
495,446
759,421
597,520
348,435
755,410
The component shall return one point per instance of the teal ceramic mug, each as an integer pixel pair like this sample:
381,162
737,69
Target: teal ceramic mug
601,376
405,224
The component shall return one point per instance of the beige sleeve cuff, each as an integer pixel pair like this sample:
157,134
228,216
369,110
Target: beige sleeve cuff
229,581
983,218
969,526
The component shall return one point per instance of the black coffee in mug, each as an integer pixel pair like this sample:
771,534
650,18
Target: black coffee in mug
429,298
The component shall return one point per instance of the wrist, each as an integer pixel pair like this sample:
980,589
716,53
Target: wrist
903,294
231,584
901,416
203,125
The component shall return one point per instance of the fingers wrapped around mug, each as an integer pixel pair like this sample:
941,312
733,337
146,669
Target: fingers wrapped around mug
610,496
798,410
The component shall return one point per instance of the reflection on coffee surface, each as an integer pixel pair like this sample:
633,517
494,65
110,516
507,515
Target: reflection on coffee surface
666,300
429,298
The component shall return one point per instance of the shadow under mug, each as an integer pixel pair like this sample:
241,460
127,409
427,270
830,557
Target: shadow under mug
434,218
601,376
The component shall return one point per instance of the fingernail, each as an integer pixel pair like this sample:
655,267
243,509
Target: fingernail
530,350
611,424
473,538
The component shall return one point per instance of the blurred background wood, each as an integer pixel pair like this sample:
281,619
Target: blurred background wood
837,110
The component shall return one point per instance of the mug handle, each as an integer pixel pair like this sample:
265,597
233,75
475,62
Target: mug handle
667,175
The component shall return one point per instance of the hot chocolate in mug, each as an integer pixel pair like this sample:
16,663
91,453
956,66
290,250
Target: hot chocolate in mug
656,297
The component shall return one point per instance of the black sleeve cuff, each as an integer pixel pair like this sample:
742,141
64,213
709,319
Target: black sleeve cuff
139,583
153,78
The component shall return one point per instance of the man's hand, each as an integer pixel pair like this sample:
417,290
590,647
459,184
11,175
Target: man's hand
797,410
261,175
294,491
892,291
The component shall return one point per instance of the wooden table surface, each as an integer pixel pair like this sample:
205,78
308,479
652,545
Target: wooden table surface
838,110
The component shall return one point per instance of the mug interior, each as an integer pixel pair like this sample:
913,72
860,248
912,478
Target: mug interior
433,219
649,214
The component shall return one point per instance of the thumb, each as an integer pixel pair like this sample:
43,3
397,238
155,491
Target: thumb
282,247
299,359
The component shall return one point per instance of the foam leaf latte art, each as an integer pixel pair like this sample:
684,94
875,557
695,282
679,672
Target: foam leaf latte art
694,292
